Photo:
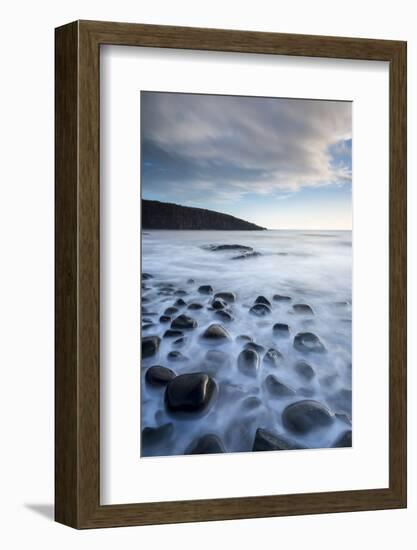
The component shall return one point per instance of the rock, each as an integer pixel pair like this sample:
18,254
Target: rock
256,347
146,320
159,376
306,415
146,276
260,310
180,303
218,304
272,357
224,315
228,297
262,300
173,333
276,388
184,322
144,299
180,342
344,440
304,370
150,346
217,357
243,338
281,329
207,444
250,403
205,289
180,292
280,298
217,247
195,305
308,342
190,281
247,255
154,436
248,362
190,392
303,309
269,441
177,356
171,310
216,334
148,326
164,319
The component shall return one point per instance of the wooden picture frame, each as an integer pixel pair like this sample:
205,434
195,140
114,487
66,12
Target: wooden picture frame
77,382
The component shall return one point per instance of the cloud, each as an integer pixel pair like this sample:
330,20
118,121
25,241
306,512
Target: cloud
229,146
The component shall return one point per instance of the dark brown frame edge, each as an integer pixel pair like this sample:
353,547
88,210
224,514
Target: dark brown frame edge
77,374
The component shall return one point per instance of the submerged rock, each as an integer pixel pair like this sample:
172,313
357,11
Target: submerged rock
344,440
156,435
217,303
250,403
217,357
147,326
308,342
217,247
303,309
164,319
248,362
215,334
260,310
184,322
177,356
180,303
243,338
304,370
207,444
205,289
277,388
224,315
281,329
272,357
150,346
263,300
306,415
190,392
256,347
228,297
195,305
180,292
171,310
280,298
247,255
269,441
146,276
170,333
180,342
159,376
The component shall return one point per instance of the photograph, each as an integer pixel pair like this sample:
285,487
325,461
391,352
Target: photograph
246,256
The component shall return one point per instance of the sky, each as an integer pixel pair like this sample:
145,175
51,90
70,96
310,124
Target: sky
279,163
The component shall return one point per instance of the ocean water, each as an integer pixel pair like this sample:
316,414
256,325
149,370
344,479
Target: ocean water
311,267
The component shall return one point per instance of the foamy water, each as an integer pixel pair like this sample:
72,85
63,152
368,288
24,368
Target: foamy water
311,267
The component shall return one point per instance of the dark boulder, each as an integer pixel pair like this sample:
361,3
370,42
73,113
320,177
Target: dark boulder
159,376
306,415
277,388
164,319
218,247
272,357
308,342
223,315
190,392
304,370
280,298
281,329
248,362
195,306
344,439
269,441
150,346
155,436
180,303
171,310
205,289
207,444
256,347
184,322
215,334
228,297
218,304
170,333
146,276
263,300
260,310
303,309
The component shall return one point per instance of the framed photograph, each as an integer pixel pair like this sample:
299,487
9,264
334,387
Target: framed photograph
230,274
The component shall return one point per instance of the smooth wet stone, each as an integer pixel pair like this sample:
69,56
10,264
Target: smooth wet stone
164,319
190,392
215,334
243,338
177,357
344,440
184,322
272,357
159,376
171,333
180,292
180,342
280,298
256,347
251,403
207,444
304,370
306,415
205,289
260,310
218,304
171,310
263,300
248,362
223,315
247,255
146,276
180,303
303,309
281,329
271,441
277,388
217,247
150,346
228,297
308,342
156,435
195,306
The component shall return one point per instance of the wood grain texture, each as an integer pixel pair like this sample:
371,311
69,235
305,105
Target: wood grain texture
78,284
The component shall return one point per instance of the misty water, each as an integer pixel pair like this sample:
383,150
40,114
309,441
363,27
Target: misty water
310,267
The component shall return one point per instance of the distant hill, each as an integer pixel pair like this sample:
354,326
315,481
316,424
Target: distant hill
164,215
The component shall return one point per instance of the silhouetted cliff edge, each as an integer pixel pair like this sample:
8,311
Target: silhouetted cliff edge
164,215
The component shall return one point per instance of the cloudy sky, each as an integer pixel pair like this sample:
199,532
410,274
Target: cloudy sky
280,163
